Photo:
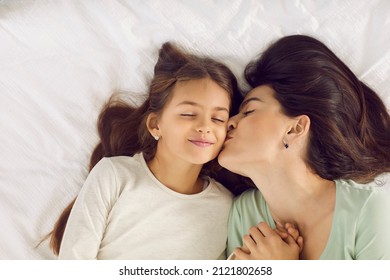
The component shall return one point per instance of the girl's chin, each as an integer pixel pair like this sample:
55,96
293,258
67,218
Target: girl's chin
202,160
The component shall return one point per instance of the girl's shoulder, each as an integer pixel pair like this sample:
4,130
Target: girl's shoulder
120,164
118,172
218,187
112,175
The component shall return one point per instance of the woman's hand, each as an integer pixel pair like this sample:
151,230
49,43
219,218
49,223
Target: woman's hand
293,232
264,243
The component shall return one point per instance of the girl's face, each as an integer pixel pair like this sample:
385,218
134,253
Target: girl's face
193,124
256,133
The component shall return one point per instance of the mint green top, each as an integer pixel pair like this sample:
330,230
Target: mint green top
360,228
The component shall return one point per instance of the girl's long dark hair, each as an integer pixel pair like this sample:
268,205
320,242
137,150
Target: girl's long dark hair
122,128
350,125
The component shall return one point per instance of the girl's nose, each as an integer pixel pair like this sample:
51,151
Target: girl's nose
203,129
203,126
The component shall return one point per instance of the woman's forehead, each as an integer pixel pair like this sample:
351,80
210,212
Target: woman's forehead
263,91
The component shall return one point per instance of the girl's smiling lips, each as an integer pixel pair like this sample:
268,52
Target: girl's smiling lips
201,142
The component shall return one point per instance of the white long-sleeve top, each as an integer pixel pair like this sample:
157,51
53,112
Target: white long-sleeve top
124,212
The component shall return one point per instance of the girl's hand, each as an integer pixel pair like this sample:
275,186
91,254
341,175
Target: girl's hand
264,243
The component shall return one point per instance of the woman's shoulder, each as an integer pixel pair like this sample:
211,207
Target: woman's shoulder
366,209
250,208
380,186
248,195
251,201
374,196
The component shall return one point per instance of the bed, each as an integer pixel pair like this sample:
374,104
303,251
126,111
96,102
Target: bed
61,60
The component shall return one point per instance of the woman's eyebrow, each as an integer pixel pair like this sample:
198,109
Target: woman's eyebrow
198,105
249,100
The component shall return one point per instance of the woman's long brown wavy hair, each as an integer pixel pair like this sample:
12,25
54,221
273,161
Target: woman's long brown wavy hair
350,125
122,128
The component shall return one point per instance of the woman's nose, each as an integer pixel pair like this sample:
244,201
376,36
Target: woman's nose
232,123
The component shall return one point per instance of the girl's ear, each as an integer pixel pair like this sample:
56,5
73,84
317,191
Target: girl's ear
152,125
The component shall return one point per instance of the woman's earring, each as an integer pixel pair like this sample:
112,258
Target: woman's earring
285,144
156,137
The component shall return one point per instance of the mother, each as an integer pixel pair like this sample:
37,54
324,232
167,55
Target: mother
311,136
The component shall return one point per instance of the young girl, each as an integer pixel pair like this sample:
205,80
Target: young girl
147,196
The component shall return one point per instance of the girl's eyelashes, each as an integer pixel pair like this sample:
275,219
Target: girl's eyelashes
192,115
187,115
219,120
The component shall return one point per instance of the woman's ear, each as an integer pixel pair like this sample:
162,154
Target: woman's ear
152,125
298,130
301,125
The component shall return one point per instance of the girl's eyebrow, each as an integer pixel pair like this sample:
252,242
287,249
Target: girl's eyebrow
249,100
197,105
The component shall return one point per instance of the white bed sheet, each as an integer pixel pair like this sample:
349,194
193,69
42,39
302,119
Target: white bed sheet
60,60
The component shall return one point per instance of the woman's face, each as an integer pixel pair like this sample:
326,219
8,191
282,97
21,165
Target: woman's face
256,133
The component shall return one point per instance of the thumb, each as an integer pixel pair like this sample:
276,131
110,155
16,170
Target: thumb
240,254
245,248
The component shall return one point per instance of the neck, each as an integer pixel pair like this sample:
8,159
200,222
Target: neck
295,194
177,175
